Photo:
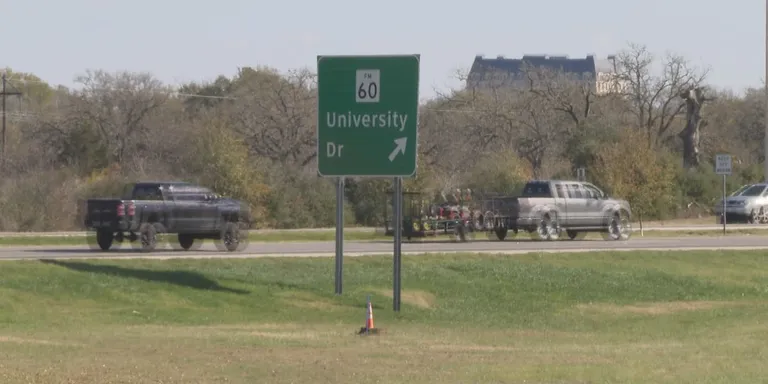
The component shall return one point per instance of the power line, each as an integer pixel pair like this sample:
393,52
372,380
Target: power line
199,96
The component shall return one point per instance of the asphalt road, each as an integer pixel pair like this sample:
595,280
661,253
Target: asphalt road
357,248
635,228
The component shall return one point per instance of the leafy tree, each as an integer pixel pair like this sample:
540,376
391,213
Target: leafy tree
220,161
632,170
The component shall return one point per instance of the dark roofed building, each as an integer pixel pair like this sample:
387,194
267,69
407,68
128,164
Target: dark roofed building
500,71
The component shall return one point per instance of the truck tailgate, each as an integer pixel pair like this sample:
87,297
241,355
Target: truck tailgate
101,213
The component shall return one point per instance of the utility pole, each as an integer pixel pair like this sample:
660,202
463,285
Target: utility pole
5,93
765,154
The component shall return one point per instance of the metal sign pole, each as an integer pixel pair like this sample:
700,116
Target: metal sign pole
398,221
339,233
724,205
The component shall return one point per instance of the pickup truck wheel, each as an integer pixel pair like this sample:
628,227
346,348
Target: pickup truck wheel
105,238
186,241
231,238
754,217
762,215
546,229
619,227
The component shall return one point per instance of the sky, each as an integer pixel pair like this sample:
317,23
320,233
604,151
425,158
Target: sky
180,41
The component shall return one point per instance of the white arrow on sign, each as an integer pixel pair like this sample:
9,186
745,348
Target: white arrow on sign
400,148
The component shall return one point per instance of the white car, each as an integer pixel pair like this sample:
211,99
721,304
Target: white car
748,204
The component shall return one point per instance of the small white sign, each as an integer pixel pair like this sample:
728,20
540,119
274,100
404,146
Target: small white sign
581,174
723,164
367,86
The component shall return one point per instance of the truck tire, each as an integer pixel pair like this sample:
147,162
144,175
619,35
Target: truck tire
230,238
105,238
186,241
619,227
547,228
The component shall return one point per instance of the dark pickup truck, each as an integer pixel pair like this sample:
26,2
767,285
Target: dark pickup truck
150,208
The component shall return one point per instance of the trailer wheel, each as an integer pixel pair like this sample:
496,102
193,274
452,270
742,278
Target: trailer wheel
488,221
460,232
148,237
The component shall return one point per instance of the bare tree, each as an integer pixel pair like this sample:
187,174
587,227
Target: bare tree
653,100
570,94
447,136
119,106
276,114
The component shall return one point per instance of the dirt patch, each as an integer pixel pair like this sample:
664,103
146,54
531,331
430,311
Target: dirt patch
270,331
659,308
22,340
307,300
418,298
305,335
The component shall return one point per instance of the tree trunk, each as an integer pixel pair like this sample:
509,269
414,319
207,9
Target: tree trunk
691,134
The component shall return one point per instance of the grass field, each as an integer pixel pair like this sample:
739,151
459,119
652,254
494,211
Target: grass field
653,317
329,235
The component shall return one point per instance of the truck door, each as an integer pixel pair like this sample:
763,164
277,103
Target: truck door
577,205
209,214
595,205
561,203
197,209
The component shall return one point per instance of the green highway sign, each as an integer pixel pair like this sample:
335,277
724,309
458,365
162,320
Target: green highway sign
367,123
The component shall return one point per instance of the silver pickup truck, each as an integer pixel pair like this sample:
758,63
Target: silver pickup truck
547,208
748,204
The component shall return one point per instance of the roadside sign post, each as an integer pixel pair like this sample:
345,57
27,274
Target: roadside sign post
339,233
723,166
398,228
367,126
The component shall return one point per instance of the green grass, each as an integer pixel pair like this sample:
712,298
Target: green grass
640,317
284,236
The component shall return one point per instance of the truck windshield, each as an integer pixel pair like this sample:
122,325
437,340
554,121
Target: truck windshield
147,192
539,189
754,190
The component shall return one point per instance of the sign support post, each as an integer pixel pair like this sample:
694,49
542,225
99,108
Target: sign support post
398,221
723,166
367,126
724,205
339,233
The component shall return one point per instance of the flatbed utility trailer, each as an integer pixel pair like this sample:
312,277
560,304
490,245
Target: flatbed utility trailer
499,214
461,218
